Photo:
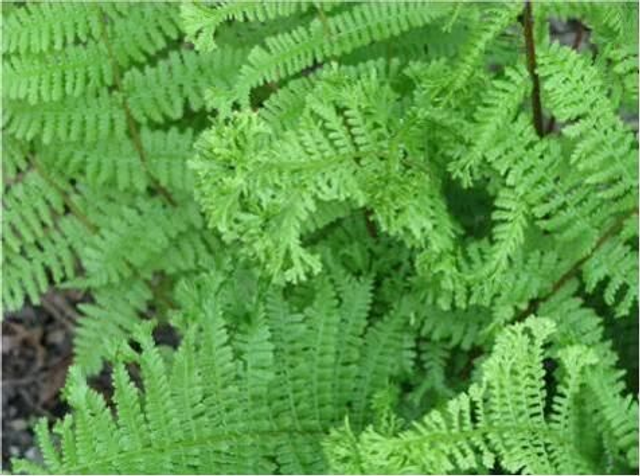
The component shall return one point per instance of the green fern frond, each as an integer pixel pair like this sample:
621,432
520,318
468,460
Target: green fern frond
258,396
160,92
26,273
40,28
202,21
39,241
289,53
501,419
78,71
75,119
616,262
341,151
470,323
40,253
500,104
491,23
131,240
119,165
111,318
608,167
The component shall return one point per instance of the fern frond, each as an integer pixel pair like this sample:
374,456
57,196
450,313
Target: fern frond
111,318
201,21
131,240
160,92
15,160
606,157
502,418
30,208
78,64
39,28
499,106
77,71
602,388
341,151
29,269
616,262
119,165
384,340
512,215
258,396
466,332
491,23
289,53
76,119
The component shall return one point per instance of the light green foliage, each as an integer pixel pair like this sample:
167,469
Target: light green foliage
502,416
96,100
234,399
376,261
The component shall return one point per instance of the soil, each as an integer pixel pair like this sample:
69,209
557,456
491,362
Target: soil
36,353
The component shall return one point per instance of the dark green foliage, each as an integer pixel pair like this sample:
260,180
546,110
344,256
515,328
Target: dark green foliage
375,257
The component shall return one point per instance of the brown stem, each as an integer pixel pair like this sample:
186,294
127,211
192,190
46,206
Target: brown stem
536,104
578,38
566,277
131,123
75,210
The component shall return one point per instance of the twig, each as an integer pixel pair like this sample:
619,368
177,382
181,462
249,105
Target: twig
536,104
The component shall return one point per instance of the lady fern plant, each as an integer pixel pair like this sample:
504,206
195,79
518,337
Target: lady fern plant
394,237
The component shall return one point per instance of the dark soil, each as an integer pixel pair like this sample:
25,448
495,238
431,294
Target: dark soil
36,353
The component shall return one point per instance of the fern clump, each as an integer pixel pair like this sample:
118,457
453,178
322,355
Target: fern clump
392,237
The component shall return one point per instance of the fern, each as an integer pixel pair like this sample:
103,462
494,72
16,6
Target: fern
347,31
243,409
99,103
501,418
201,21
391,237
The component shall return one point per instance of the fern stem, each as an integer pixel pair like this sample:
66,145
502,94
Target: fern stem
536,103
71,205
566,277
131,122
